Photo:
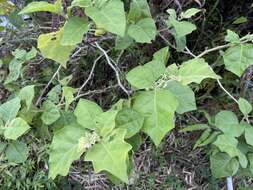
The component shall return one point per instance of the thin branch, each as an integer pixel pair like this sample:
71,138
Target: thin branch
213,49
48,84
113,67
53,77
221,86
90,75
95,92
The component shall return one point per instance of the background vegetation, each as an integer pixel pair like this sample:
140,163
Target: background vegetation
172,165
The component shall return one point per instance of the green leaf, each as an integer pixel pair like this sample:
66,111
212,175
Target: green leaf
229,144
240,20
65,148
14,70
182,28
51,48
43,6
111,155
86,113
210,139
162,55
238,58
122,43
184,95
106,122
9,110
2,147
16,128
232,37
73,31
228,123
144,31
110,16
158,107
50,113
130,120
249,135
19,54
203,137
81,3
68,94
250,158
244,106
17,152
222,165
138,9
144,76
54,94
189,13
27,94
195,127
225,118
195,70
31,54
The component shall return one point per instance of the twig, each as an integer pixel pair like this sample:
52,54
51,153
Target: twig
52,78
95,92
226,91
48,84
90,75
213,49
113,67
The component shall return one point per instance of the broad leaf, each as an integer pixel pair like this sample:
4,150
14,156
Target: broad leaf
81,3
158,108
238,58
111,155
14,70
182,28
130,120
244,106
145,76
50,113
184,95
144,31
73,31
51,48
162,55
27,94
17,152
106,122
86,113
16,128
195,70
222,165
123,42
138,9
110,16
232,37
189,13
203,137
228,123
68,94
9,110
43,6
229,144
249,135
31,54
65,148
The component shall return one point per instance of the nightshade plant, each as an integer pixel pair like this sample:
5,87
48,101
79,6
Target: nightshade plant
159,91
